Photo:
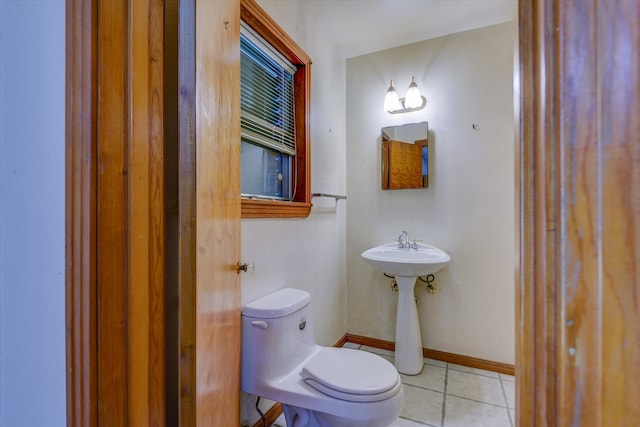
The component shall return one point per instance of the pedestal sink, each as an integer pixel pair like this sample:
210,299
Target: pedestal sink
406,264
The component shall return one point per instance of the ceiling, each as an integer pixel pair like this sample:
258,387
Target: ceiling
364,26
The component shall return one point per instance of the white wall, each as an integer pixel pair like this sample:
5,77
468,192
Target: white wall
468,209
309,253
32,105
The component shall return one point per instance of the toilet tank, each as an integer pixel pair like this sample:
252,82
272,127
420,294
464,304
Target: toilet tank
277,336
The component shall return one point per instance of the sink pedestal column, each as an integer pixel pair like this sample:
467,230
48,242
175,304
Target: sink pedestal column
408,354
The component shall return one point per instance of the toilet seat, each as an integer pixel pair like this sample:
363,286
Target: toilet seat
352,375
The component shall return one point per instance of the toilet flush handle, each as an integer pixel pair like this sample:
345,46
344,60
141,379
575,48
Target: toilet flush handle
260,323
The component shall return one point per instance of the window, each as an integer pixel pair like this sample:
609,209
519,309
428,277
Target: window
267,119
275,88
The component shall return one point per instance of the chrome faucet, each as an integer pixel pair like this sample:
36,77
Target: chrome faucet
403,243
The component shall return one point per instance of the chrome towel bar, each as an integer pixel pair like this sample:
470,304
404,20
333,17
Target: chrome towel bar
333,196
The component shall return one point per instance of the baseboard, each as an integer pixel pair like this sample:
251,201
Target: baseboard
458,359
342,341
270,416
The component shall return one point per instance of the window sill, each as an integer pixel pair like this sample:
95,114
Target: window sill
274,209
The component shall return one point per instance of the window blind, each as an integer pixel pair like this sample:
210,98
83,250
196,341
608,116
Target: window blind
266,95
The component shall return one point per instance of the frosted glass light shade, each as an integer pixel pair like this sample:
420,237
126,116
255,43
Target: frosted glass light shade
391,99
413,98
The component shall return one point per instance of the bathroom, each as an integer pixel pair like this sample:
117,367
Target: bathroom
589,313
34,333
468,209
320,254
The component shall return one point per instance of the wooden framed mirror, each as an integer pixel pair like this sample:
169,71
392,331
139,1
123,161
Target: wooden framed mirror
405,156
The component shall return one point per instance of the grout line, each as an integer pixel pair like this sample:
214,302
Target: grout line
418,422
444,395
506,402
507,378
435,364
418,386
475,373
478,401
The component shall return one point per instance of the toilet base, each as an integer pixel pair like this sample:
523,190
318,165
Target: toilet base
301,417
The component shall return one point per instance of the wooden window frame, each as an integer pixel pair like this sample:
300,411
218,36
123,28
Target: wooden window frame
256,18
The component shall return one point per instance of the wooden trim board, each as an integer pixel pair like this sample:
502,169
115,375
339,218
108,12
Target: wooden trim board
458,359
114,213
578,183
270,416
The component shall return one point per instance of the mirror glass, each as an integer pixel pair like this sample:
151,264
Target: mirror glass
405,156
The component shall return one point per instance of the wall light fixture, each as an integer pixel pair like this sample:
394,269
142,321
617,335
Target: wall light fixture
413,100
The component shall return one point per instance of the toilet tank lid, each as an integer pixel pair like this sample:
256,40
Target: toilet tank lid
277,304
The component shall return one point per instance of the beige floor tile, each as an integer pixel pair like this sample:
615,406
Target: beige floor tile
403,422
507,377
431,377
376,350
422,405
351,345
467,413
460,368
510,391
280,421
476,387
387,358
435,362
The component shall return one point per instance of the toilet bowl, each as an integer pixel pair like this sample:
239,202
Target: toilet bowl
317,386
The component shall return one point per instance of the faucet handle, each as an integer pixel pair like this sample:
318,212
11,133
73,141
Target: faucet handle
401,243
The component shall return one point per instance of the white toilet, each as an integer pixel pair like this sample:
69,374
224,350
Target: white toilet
317,386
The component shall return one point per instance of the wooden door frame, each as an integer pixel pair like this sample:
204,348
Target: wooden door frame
187,370
115,246
80,213
577,302
114,213
535,168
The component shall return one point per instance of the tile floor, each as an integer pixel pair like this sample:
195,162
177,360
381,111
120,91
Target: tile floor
449,395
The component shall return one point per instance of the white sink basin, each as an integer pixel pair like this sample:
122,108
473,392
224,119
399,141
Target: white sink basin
388,258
